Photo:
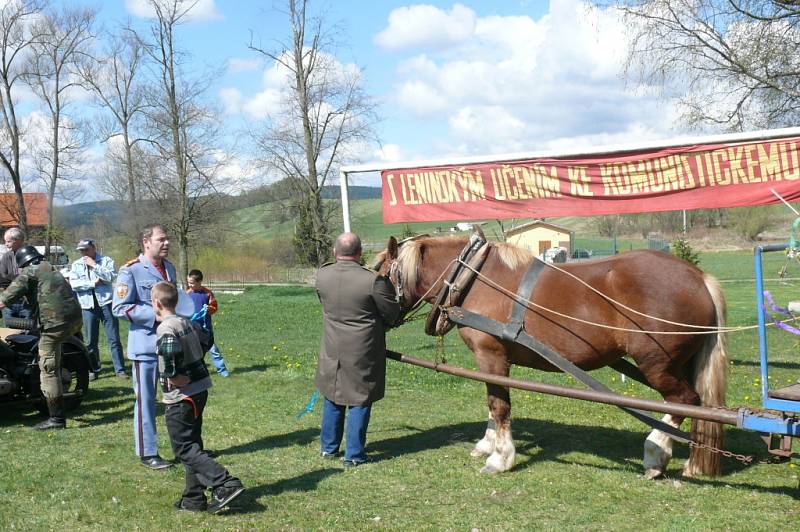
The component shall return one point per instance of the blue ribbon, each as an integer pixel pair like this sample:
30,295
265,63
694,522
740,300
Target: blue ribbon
309,405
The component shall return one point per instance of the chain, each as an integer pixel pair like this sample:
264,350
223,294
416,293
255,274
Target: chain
746,459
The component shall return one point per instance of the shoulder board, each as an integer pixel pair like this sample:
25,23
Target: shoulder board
131,262
363,267
328,264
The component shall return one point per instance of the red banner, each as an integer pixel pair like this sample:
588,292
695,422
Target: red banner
701,176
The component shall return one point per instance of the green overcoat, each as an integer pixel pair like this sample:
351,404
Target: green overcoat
357,307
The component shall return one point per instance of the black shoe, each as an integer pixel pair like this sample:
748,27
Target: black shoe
330,456
51,423
156,462
355,463
223,496
183,506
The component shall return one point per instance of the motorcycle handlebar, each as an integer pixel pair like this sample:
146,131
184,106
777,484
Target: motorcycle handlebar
21,323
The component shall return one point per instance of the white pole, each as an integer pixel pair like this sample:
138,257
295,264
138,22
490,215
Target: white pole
345,201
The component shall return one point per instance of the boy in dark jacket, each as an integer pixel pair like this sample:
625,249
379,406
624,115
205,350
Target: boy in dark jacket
185,383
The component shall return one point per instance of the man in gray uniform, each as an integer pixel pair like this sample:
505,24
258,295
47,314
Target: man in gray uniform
357,307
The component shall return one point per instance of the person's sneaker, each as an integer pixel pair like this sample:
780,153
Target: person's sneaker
122,375
93,375
330,456
156,462
224,373
185,506
223,496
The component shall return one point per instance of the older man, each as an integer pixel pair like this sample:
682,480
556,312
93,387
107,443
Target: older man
357,308
14,240
92,277
132,301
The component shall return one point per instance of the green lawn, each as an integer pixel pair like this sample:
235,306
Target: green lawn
578,464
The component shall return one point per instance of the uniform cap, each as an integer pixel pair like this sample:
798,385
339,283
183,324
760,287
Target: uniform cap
86,243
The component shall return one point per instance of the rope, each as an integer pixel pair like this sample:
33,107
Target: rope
529,304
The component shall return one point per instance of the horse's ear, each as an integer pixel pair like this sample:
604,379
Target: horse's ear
476,229
391,248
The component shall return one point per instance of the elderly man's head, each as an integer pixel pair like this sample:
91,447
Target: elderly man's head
14,239
347,246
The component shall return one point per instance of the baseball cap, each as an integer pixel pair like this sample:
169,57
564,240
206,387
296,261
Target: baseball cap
86,243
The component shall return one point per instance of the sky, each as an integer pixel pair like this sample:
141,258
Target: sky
450,78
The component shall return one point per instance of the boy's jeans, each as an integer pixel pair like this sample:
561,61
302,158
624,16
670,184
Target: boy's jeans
218,360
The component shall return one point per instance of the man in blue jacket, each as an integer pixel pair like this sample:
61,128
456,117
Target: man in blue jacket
132,301
92,278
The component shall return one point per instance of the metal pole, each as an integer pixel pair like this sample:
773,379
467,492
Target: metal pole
345,201
718,415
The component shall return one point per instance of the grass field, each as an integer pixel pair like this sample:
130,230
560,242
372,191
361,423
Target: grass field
578,464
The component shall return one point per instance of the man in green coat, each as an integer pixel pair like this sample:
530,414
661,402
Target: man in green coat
357,307
59,314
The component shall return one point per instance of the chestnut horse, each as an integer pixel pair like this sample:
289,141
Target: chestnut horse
654,286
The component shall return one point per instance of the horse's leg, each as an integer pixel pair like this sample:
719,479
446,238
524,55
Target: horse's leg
492,357
675,389
485,446
658,449
502,457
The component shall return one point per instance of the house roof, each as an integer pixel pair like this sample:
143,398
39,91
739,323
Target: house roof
537,223
35,208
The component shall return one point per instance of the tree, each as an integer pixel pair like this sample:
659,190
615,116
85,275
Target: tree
324,115
62,37
181,167
114,79
736,61
16,35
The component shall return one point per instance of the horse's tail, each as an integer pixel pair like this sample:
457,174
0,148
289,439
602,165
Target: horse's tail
710,382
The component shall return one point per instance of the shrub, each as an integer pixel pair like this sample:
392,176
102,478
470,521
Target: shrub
682,250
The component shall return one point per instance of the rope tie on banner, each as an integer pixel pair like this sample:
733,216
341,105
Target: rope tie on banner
779,310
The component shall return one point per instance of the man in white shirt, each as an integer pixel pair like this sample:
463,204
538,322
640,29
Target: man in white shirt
92,277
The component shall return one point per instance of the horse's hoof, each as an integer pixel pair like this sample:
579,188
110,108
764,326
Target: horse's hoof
477,453
652,474
491,470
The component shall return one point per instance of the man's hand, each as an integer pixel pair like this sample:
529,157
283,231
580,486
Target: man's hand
2,305
89,261
178,380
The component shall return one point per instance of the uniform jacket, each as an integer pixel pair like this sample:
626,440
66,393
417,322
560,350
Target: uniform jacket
82,279
48,293
132,302
8,268
357,307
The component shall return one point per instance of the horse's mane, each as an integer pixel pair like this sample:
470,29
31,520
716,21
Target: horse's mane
410,256
513,256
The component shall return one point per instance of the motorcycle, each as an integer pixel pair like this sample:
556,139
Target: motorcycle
19,367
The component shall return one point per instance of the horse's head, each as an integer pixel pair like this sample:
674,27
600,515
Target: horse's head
391,263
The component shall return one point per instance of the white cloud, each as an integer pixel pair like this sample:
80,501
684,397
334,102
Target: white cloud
231,100
424,25
516,83
202,11
237,65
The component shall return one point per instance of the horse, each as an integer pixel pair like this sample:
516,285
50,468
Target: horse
593,313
